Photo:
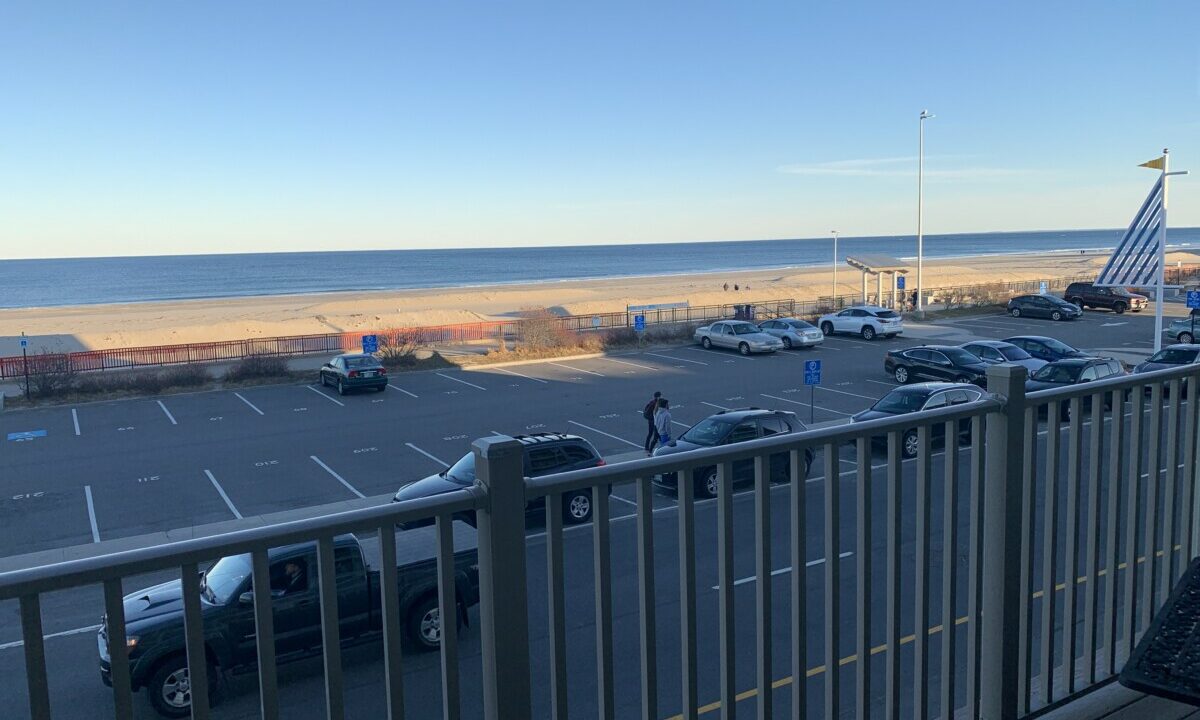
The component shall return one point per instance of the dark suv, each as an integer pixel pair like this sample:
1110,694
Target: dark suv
935,362
726,428
1117,299
545,454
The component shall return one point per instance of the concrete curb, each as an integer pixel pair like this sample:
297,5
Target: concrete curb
476,367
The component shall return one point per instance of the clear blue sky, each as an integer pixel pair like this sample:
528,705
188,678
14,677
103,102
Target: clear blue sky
162,128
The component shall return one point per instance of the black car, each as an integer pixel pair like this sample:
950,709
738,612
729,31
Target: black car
352,371
1073,371
545,454
1171,356
1117,299
935,362
1045,348
918,397
726,428
1043,306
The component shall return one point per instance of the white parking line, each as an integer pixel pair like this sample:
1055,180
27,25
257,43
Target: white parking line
401,390
168,412
719,407
614,437
337,477
623,362
797,402
332,400
87,491
781,571
843,392
510,372
252,406
75,419
464,382
668,357
681,424
439,461
221,492
702,350
575,369
614,496
64,633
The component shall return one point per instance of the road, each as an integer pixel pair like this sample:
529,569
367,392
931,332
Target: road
125,468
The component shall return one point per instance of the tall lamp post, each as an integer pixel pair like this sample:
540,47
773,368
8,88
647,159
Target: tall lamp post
835,264
925,115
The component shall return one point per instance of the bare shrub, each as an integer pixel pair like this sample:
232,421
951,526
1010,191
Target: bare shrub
257,366
50,374
398,349
541,329
185,376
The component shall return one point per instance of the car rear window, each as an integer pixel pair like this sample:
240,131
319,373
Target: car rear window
886,314
901,401
958,356
800,324
576,453
707,432
1014,353
1058,373
361,362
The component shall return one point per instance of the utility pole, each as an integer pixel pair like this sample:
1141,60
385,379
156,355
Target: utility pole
25,361
835,264
925,115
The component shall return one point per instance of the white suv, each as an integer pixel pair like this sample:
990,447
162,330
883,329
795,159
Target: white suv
868,321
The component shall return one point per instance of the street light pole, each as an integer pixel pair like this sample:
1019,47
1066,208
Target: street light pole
925,115
835,264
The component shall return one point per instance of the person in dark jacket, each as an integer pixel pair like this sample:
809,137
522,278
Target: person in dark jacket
648,415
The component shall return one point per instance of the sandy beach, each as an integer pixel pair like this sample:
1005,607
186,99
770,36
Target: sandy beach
129,325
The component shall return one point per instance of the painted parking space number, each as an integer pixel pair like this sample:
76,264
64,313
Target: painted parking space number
455,437
265,463
366,450
29,496
149,478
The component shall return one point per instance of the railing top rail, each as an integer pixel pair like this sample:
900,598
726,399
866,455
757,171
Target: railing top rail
842,434
84,571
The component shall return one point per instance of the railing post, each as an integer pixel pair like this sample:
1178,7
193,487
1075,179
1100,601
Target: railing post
1003,451
503,605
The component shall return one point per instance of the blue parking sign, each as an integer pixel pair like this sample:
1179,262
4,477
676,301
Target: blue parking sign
370,343
1193,298
639,323
812,372
899,282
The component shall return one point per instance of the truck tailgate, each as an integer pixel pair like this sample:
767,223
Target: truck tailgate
413,546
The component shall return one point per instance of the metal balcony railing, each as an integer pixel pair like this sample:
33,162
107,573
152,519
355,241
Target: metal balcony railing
1020,559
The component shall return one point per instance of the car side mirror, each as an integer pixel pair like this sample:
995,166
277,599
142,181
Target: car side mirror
246,598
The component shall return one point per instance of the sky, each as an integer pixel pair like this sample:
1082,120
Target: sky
158,128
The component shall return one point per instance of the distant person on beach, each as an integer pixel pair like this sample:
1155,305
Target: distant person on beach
725,287
662,422
735,287
651,430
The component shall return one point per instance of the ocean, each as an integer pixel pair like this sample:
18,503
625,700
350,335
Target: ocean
88,281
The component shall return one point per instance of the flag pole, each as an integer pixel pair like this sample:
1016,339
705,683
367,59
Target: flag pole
1159,298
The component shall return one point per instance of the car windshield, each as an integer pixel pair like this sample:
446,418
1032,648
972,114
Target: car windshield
1012,352
958,356
224,578
1058,373
1174,356
707,432
463,471
361,362
901,401
1056,346
744,329
800,324
886,314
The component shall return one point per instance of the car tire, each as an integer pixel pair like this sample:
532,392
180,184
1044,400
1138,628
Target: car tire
1055,315
170,689
324,380
341,388
1015,312
787,343
706,343
424,624
743,348
901,374
867,332
1186,338
708,485
827,328
910,444
577,508
1119,308
962,379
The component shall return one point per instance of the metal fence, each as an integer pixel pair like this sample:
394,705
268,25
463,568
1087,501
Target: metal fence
1014,559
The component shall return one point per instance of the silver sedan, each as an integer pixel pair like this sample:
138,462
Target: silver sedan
737,335
793,332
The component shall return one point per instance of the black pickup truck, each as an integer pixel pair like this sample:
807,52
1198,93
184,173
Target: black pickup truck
154,616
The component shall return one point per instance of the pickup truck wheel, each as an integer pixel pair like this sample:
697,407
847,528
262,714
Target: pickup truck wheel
706,343
170,688
1119,308
425,624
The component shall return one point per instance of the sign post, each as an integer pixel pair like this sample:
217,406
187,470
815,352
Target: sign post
812,378
25,361
1193,303
370,344
639,326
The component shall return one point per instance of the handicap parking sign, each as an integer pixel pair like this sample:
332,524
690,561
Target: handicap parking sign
1193,298
370,343
25,341
899,282
812,372
639,323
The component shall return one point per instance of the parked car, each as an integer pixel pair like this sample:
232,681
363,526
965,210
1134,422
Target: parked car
1043,306
1170,357
353,371
1117,299
994,352
1184,329
917,397
1045,348
869,321
726,428
935,362
154,616
1073,371
737,335
794,332
545,454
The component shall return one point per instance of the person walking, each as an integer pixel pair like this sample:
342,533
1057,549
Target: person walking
651,430
662,422
914,299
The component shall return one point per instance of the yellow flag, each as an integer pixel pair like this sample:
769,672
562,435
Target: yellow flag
1156,164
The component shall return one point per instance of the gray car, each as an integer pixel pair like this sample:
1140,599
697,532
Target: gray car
794,332
737,335
994,352
1182,330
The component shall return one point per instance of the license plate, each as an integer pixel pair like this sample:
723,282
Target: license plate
369,373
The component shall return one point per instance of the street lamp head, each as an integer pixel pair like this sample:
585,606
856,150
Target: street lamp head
925,115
